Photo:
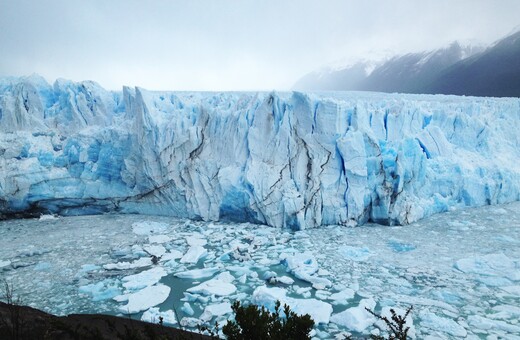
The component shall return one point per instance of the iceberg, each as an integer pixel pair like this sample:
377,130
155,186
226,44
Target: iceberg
143,299
288,160
319,311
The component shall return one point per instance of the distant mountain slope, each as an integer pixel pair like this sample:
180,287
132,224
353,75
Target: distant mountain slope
460,70
409,72
347,78
494,72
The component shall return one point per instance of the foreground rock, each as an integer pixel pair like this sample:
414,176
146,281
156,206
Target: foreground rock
35,324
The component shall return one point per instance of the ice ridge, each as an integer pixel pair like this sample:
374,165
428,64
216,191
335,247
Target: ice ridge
294,160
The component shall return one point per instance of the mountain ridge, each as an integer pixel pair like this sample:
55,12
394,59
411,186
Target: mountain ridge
456,69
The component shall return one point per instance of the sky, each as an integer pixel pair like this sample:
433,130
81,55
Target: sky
217,45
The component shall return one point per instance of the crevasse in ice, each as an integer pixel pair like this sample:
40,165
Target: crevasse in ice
294,160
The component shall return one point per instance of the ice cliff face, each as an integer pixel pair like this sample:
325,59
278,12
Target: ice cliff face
284,159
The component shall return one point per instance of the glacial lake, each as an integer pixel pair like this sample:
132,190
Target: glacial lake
459,270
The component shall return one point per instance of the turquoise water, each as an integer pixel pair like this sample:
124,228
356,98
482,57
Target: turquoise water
454,268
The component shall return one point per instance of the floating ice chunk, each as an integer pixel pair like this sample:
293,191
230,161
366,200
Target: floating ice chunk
159,239
355,253
506,312
186,308
268,275
138,251
490,265
189,297
33,252
194,254
139,263
483,323
242,279
317,282
155,250
5,264
196,240
143,299
47,217
303,262
513,290
153,315
318,310
218,309
42,266
214,287
143,279
197,273
494,281
445,325
342,297
414,300
225,277
190,322
205,316
385,312
171,255
89,268
286,280
400,247
356,318
239,270
322,272
149,227
320,334
302,290
303,266
322,294
104,290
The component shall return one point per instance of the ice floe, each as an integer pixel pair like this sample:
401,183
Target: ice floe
187,309
318,310
139,263
198,273
461,276
143,279
159,239
149,227
435,322
194,254
142,300
215,310
103,290
214,287
356,318
153,315
5,264
155,250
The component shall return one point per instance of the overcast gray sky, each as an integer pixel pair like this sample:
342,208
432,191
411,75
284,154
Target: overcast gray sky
228,45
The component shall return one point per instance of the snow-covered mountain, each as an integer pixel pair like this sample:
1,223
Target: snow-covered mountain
493,72
457,69
403,73
294,160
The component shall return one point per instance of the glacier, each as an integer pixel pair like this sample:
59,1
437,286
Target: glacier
285,159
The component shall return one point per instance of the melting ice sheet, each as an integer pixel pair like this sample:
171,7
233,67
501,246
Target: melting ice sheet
460,270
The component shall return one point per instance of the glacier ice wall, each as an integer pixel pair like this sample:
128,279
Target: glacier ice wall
292,160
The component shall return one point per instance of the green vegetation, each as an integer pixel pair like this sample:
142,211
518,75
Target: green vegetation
395,325
13,321
253,323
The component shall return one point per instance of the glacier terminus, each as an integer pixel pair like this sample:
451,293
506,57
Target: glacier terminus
289,160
